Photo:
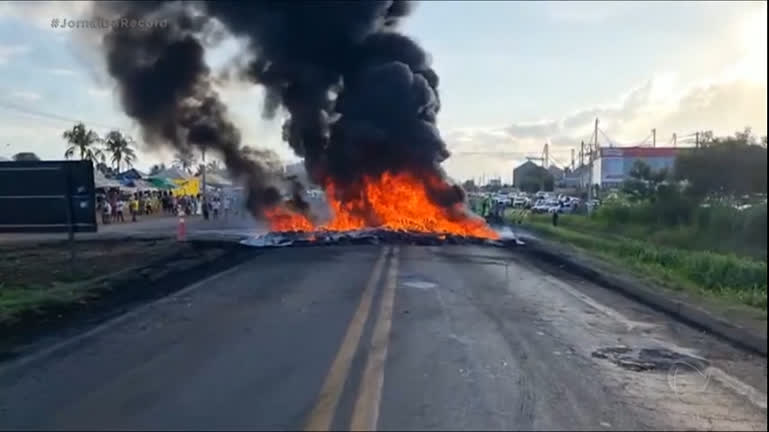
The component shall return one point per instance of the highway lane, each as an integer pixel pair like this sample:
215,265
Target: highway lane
156,226
386,337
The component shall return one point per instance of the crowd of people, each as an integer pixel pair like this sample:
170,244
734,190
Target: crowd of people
117,206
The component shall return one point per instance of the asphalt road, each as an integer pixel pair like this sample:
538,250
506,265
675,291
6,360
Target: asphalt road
393,337
154,227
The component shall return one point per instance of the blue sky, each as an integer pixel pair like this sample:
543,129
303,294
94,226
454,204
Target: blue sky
514,75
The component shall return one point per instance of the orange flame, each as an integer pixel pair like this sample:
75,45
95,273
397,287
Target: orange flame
393,202
283,219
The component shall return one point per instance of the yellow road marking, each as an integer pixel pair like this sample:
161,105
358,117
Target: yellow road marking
323,412
366,411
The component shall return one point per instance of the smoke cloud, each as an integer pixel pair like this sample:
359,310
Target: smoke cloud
362,98
165,85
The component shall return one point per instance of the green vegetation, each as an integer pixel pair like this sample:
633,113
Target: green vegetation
715,228
40,278
701,227
120,147
727,276
17,300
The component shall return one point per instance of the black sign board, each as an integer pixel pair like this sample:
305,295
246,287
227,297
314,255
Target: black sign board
47,196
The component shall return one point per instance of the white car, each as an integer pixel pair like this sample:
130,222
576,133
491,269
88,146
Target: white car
541,206
552,206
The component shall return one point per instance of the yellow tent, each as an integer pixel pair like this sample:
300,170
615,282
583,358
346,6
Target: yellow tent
186,187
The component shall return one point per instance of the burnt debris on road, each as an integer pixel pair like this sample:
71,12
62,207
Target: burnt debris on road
371,236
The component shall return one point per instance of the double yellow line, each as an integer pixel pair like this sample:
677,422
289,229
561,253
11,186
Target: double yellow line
366,408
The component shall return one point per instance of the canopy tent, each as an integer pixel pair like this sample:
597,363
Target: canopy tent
131,174
102,182
137,184
143,185
173,173
187,187
217,181
162,183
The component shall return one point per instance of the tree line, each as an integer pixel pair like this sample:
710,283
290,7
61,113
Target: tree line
88,145
721,168
116,151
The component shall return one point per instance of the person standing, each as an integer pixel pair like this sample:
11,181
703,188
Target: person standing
120,210
113,199
106,212
217,205
134,206
227,205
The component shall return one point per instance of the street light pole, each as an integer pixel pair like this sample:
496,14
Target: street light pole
591,156
203,181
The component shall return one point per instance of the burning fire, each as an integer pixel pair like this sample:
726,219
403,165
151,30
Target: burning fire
393,202
283,219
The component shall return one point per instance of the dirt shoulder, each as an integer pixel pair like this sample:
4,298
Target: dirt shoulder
721,313
43,291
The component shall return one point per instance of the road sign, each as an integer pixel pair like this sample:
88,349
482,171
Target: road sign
47,196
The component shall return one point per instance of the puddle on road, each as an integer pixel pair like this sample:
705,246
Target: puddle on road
419,284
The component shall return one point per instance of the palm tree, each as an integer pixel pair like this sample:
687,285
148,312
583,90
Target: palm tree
83,141
184,160
120,147
212,167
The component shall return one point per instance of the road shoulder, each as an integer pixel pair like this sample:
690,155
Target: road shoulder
737,325
112,293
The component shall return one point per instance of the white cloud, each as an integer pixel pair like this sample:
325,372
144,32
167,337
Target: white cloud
61,71
28,96
8,51
98,92
724,107
588,12
40,13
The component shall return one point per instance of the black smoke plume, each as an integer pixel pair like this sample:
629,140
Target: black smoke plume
166,86
362,98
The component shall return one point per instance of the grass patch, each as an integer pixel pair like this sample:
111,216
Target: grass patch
37,278
16,301
733,278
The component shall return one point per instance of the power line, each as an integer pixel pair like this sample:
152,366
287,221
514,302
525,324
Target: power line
558,163
607,138
49,116
644,141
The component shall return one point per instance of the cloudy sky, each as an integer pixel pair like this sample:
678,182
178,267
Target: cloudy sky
513,77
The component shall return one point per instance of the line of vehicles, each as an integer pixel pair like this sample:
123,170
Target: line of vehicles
540,202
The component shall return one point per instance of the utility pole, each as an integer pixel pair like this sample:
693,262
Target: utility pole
203,177
590,165
674,139
572,158
595,136
697,140
654,137
582,153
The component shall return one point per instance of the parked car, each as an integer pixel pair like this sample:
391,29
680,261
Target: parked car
538,206
552,206
520,201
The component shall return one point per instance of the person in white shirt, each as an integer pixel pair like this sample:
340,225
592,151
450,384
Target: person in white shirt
120,211
227,205
106,212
